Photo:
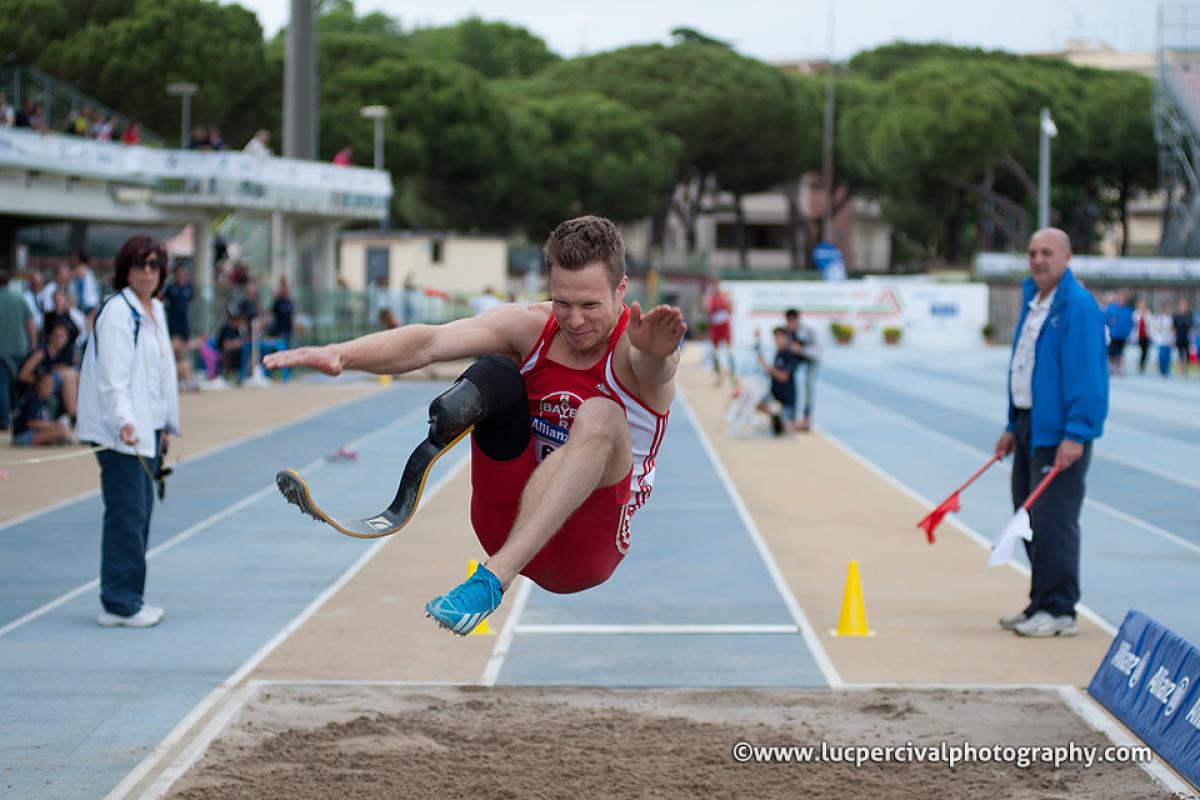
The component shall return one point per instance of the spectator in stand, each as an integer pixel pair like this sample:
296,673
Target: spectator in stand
8,114
1143,316
30,295
485,301
259,144
215,141
249,305
82,121
132,134
84,285
104,132
1182,323
38,120
1162,334
37,421
198,140
387,320
177,300
62,280
17,335
56,356
24,116
230,340
65,314
344,157
282,314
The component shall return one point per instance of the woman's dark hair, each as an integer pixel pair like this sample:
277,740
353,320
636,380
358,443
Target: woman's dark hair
137,248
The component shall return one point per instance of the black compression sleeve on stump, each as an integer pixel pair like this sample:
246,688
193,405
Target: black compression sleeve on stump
491,396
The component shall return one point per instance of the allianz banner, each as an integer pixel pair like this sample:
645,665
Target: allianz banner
1150,679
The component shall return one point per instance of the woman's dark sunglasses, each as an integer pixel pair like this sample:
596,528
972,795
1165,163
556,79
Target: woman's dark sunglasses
146,262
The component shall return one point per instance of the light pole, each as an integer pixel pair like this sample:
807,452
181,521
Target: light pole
827,155
377,113
185,90
1048,130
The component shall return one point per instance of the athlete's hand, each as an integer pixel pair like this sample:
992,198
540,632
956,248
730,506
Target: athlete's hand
322,359
657,333
1006,444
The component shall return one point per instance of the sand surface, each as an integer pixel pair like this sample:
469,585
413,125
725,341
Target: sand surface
299,742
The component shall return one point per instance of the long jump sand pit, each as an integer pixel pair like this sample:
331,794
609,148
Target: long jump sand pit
296,742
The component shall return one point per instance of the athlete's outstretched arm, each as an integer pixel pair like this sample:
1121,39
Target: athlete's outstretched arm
654,339
507,329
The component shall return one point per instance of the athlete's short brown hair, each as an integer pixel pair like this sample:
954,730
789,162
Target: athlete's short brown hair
585,240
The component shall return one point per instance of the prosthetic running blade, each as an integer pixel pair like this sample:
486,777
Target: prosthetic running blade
412,483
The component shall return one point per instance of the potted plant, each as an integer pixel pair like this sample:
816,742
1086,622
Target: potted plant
989,333
892,334
842,333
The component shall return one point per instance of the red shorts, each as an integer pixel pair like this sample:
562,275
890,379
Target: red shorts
718,334
585,550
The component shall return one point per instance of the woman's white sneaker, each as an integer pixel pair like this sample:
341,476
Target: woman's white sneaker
146,617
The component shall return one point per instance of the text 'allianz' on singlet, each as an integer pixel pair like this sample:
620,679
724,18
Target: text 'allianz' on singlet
557,391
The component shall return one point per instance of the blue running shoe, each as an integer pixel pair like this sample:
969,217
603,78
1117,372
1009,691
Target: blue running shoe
468,604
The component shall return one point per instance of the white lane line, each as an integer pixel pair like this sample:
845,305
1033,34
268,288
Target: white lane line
196,748
1097,453
200,526
811,639
1091,713
956,521
975,452
654,630
227,685
491,670
212,451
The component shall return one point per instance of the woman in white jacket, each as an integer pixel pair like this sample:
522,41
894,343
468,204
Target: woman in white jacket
129,403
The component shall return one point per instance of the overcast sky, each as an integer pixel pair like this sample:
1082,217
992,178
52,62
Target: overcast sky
785,29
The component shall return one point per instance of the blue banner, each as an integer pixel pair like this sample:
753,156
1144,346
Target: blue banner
1150,679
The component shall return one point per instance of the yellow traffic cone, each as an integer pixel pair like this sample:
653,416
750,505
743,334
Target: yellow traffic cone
853,621
385,381
482,628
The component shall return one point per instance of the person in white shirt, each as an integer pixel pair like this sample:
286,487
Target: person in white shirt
129,403
1162,336
84,285
485,301
259,145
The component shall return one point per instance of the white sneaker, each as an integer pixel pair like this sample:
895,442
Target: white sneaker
155,611
1010,623
146,617
1043,623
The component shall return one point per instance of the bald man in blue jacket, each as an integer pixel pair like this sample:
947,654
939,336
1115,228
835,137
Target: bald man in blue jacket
1057,403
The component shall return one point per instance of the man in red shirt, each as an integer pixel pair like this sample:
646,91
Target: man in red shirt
567,410
720,317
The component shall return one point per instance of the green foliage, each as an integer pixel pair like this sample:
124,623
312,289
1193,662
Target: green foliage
493,49
841,331
586,154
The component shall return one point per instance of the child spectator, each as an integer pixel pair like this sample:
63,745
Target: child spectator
36,421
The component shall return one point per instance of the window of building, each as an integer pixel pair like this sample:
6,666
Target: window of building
758,237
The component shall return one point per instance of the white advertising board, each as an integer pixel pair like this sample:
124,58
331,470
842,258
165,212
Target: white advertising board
935,315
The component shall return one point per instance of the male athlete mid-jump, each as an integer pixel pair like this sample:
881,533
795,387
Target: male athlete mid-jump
567,410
